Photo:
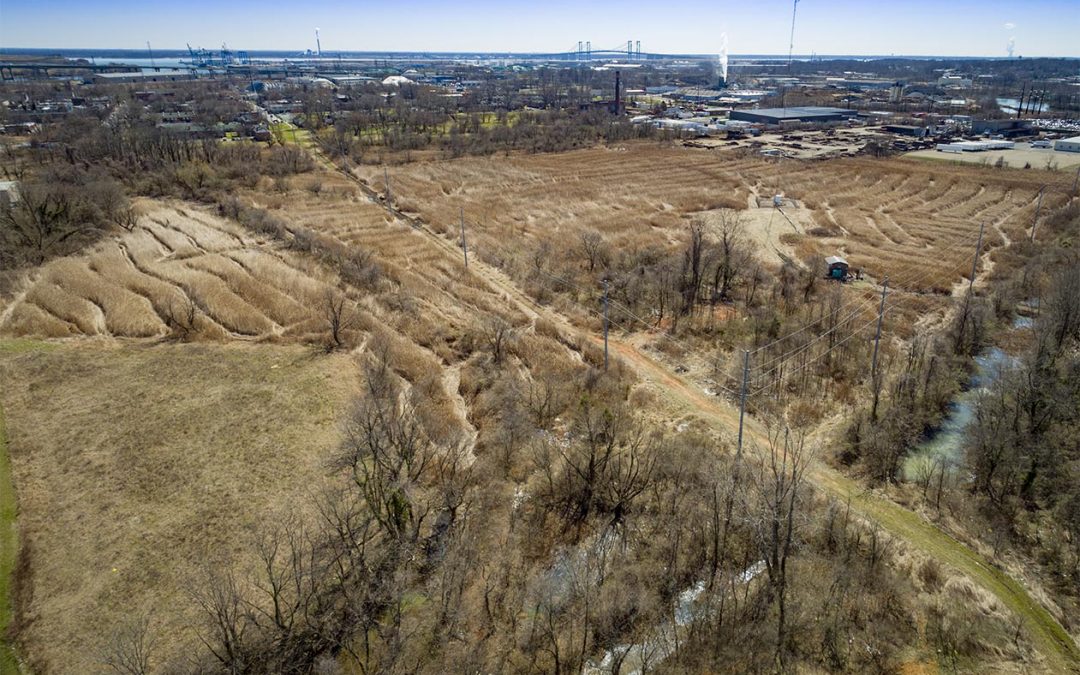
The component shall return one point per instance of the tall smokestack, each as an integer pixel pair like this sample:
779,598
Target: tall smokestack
318,45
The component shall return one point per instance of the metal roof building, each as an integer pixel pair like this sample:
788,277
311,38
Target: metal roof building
798,114
1068,144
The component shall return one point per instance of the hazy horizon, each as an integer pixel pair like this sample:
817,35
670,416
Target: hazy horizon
920,28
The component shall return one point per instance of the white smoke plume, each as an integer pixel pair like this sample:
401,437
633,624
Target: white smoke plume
723,57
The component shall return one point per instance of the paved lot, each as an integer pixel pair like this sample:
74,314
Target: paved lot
1017,158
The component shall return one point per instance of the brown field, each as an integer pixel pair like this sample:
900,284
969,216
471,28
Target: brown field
135,466
138,460
915,222
130,286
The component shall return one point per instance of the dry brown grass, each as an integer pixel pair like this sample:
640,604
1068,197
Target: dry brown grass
137,465
134,284
915,222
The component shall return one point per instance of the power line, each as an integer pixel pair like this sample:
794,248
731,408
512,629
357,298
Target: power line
914,279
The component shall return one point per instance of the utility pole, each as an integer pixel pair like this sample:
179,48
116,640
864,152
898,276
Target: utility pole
742,400
605,325
1035,220
880,320
464,248
386,181
1076,181
877,343
975,262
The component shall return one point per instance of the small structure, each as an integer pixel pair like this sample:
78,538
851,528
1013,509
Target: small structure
9,193
1068,144
837,267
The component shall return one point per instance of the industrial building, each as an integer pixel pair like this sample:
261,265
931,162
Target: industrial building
907,130
1068,144
975,146
777,116
696,95
1006,128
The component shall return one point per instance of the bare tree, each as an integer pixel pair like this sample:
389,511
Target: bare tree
690,275
180,317
594,248
126,217
338,315
388,454
226,631
130,648
775,493
44,217
497,333
730,254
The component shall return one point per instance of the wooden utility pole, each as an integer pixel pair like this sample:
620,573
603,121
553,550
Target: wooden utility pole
1035,220
975,262
605,325
464,247
742,400
877,343
386,182
1076,181
880,319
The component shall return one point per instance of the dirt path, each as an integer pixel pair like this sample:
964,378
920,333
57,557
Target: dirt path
1052,641
15,301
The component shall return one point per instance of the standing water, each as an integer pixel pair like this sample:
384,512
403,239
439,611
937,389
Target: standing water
946,445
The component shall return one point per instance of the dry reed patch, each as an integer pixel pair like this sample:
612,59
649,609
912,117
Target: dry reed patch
910,220
135,465
125,311
137,284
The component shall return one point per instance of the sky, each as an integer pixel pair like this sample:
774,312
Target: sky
870,27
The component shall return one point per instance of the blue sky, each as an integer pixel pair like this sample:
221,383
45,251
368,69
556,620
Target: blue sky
913,27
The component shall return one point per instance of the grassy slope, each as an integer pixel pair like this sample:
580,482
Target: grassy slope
137,464
8,544
9,534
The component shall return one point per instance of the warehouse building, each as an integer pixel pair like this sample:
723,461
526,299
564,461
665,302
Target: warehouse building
140,77
974,146
907,130
788,115
1006,128
1068,144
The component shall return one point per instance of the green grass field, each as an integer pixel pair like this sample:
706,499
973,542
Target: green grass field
8,548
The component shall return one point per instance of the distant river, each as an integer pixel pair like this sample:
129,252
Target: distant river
1009,105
